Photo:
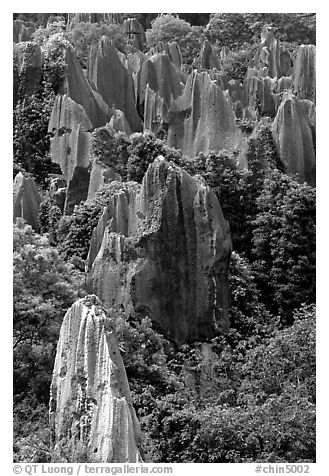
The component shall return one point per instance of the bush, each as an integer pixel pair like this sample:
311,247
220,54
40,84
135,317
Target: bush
84,35
44,288
284,244
236,63
75,231
228,29
167,28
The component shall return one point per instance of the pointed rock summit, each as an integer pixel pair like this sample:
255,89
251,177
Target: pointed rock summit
113,81
90,403
163,247
305,73
293,131
26,200
202,118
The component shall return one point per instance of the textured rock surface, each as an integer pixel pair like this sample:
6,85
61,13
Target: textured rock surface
208,58
293,134
173,51
164,248
135,32
90,401
272,59
154,111
70,147
169,85
146,77
22,31
304,72
77,87
113,81
74,18
202,118
119,122
26,200
259,92
100,175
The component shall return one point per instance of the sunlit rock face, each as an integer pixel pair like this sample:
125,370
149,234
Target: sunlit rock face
26,200
90,404
163,248
113,81
305,72
294,131
202,118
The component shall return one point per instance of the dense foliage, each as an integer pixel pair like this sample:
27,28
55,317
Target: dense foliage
168,27
44,288
254,399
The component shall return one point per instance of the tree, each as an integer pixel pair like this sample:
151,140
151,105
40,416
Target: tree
284,244
167,28
44,288
228,29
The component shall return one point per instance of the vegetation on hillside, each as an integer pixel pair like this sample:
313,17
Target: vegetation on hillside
255,400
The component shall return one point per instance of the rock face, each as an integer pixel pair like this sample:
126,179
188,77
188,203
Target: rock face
292,130
77,87
22,31
202,118
90,401
304,73
163,248
208,59
69,147
74,18
272,59
173,51
100,175
26,200
146,77
113,81
154,111
259,91
119,122
169,85
135,32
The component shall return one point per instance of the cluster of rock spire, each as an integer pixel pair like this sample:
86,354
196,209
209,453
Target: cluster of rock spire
161,247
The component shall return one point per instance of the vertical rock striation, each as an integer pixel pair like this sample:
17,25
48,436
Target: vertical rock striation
113,81
202,118
305,73
90,403
292,130
163,248
26,200
69,147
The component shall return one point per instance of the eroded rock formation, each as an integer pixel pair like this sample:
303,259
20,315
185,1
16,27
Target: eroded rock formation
292,130
22,31
272,59
202,118
77,87
163,248
304,72
208,58
26,200
135,32
69,147
119,122
90,403
169,84
113,81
